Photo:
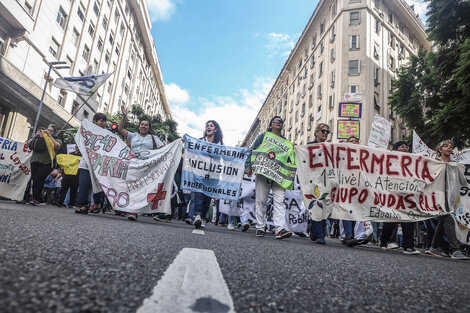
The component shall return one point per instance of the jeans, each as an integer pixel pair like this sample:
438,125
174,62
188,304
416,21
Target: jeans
317,229
200,204
348,228
39,173
84,181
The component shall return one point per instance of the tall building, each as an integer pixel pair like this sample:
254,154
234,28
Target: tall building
349,50
93,37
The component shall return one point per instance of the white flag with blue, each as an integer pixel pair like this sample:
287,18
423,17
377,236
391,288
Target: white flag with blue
213,169
84,85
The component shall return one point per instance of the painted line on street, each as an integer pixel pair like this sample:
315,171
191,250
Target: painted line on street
192,283
198,232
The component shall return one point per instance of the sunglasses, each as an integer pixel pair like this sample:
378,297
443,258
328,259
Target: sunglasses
325,131
278,121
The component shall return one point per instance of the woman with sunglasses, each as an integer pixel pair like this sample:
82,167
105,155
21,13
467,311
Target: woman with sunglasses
317,228
262,187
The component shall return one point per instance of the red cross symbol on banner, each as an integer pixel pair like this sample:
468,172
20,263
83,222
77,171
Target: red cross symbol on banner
155,197
271,155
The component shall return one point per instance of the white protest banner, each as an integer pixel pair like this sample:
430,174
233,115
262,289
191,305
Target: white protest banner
419,147
359,183
15,168
84,85
70,148
296,213
132,182
245,206
379,132
461,157
356,96
213,169
459,198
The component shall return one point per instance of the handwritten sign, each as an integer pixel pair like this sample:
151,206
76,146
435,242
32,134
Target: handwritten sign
348,109
133,182
15,168
350,182
348,128
380,132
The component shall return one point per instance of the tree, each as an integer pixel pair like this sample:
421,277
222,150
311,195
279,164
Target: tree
432,92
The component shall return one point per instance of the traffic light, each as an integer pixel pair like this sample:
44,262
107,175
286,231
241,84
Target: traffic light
114,127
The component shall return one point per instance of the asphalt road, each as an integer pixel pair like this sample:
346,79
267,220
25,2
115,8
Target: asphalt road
52,260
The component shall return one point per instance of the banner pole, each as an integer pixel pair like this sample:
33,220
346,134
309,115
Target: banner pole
76,112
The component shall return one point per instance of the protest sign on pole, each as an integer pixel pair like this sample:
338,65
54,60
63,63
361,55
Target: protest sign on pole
419,147
213,169
359,183
15,168
379,132
275,160
132,182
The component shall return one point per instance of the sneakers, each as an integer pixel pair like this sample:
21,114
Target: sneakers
246,227
351,242
411,251
161,219
259,233
198,223
230,227
428,251
34,202
132,217
458,255
283,234
439,253
188,221
392,245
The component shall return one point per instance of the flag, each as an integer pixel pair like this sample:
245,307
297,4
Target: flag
84,85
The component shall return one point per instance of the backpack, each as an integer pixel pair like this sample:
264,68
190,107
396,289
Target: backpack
38,144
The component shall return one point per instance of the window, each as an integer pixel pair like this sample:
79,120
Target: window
354,67
332,79
96,8
86,53
111,38
54,48
28,7
333,9
354,18
392,41
110,87
332,55
378,26
91,29
331,102
100,44
129,73
391,85
312,61
353,88
320,69
108,2
105,22
391,62
390,16
322,27
309,127
69,63
106,57
95,67
376,75
303,110
61,18
376,100
80,14
122,29
376,51
354,42
61,97
401,27
311,82
75,37
296,115
333,33
75,107
314,41
322,47
126,89
319,95
310,101
116,15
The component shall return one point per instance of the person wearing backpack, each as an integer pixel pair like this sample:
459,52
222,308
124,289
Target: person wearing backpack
41,162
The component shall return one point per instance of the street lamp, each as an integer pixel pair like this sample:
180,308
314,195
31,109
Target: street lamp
57,66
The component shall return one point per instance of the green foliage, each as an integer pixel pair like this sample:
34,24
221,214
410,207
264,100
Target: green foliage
432,93
161,128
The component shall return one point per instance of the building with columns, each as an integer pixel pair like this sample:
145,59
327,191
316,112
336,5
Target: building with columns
349,52
93,37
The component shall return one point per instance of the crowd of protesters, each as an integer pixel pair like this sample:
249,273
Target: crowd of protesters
65,181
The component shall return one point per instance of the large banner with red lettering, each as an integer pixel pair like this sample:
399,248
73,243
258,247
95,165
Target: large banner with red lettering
132,182
360,183
459,198
15,169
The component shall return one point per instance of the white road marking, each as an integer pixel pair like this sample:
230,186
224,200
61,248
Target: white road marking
198,232
192,283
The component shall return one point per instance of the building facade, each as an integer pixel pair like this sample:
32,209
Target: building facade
349,50
92,37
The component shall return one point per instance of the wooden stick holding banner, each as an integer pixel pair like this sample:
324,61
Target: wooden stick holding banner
76,111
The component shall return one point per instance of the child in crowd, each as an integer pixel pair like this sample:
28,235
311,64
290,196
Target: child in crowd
50,185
